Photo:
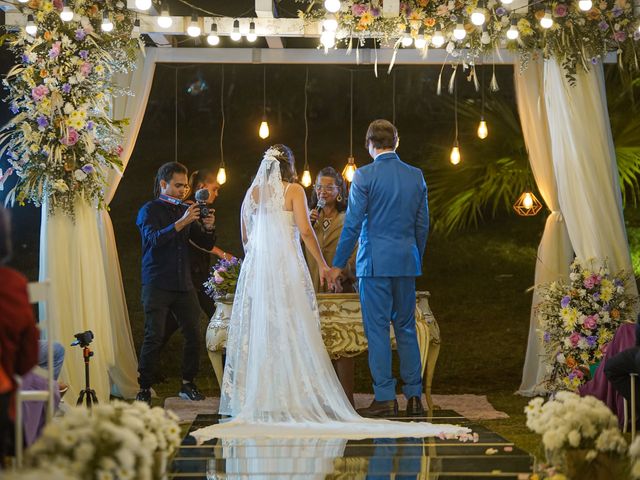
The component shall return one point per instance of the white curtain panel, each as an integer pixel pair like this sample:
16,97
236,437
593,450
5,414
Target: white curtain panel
585,166
554,251
81,261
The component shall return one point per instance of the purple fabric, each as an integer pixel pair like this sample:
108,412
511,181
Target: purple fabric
599,387
35,414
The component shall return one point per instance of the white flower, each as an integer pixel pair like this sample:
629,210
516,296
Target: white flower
60,186
68,108
591,455
574,438
79,175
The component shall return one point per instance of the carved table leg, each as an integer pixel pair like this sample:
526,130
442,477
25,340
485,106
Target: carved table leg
216,363
432,358
345,369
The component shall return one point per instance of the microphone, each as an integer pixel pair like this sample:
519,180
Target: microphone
319,206
202,196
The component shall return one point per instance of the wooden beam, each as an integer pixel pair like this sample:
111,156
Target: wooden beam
391,8
267,9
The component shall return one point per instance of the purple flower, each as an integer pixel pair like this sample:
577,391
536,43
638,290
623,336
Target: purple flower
80,34
565,301
561,10
547,337
572,375
617,11
606,307
42,122
620,36
596,296
617,282
375,12
39,92
358,9
14,108
88,169
591,340
90,125
222,269
55,50
66,88
594,60
84,54
24,58
604,26
500,11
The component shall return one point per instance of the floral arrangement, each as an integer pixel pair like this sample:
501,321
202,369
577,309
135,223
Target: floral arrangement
577,320
39,474
223,279
571,422
62,141
110,441
634,456
576,38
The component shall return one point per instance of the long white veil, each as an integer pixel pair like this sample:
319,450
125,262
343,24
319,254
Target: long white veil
278,379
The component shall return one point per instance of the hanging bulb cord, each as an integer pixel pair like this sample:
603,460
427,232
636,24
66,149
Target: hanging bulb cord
351,115
393,99
455,108
176,116
222,110
264,90
482,90
306,121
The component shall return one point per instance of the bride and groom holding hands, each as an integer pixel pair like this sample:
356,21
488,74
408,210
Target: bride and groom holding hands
278,379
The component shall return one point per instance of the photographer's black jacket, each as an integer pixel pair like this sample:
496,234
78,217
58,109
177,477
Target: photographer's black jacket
165,252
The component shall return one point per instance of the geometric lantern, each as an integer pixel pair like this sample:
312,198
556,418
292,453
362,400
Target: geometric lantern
527,205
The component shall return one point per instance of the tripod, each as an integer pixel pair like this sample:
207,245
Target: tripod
88,395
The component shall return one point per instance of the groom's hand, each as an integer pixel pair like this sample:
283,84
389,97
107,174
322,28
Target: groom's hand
334,275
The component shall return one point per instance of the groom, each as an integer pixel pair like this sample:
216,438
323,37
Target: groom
388,211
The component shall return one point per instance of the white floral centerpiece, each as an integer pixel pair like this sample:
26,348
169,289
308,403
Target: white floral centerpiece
573,424
111,441
51,473
577,320
634,456
63,140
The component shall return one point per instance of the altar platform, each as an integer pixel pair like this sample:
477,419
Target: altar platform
407,458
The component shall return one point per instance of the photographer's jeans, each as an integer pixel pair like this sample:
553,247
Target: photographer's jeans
157,304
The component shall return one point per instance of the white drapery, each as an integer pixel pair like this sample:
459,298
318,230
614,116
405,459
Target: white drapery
585,166
554,251
81,260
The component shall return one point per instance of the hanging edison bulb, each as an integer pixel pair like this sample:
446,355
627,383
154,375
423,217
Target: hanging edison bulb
306,177
483,131
350,169
263,131
221,178
527,205
455,158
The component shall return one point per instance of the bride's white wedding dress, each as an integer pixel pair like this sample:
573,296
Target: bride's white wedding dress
278,378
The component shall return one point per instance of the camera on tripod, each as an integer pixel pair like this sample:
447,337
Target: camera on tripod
83,339
202,196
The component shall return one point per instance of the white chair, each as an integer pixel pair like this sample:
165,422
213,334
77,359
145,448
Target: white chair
39,292
632,378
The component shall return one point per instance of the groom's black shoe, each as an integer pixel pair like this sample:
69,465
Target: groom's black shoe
380,409
414,407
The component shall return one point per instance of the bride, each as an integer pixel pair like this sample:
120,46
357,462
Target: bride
278,379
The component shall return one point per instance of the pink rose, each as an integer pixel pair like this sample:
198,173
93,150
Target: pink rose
85,68
58,4
359,9
574,338
71,138
39,92
590,322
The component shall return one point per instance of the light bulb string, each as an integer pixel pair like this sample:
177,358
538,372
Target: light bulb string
351,114
264,91
223,119
176,116
455,108
484,66
306,120
393,99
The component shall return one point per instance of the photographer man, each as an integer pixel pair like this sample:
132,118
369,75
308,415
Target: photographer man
167,226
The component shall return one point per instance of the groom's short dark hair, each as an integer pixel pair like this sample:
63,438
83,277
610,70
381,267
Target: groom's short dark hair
382,134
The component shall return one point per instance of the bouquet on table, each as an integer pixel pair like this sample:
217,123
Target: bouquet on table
223,278
578,319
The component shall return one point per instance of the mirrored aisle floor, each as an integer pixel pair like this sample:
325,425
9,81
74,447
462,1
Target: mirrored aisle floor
408,458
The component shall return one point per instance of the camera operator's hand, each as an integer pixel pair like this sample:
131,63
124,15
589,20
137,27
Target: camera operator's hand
210,220
191,214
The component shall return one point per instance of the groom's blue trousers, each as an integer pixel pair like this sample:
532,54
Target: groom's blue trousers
387,300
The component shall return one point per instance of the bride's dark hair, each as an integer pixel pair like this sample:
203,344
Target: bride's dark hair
287,163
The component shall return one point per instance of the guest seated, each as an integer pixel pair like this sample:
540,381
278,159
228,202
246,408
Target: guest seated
58,360
18,334
328,221
618,368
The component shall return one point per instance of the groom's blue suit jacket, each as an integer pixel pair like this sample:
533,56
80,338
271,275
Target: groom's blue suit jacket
388,213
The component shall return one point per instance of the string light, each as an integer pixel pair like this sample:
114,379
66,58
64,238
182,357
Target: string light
477,16
143,4
164,20
135,33
350,169
420,42
330,23
332,6
483,131
213,39
459,32
107,24
31,28
328,39
193,30
454,157
547,20
251,36
23,1
527,205
437,39
235,33
506,2
263,131
407,40
585,5
66,15
306,175
512,33
221,177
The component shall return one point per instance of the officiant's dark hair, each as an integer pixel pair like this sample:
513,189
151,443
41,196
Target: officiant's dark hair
341,200
287,163
5,235
165,172
382,134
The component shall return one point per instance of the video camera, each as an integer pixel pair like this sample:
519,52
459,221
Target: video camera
202,196
83,339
